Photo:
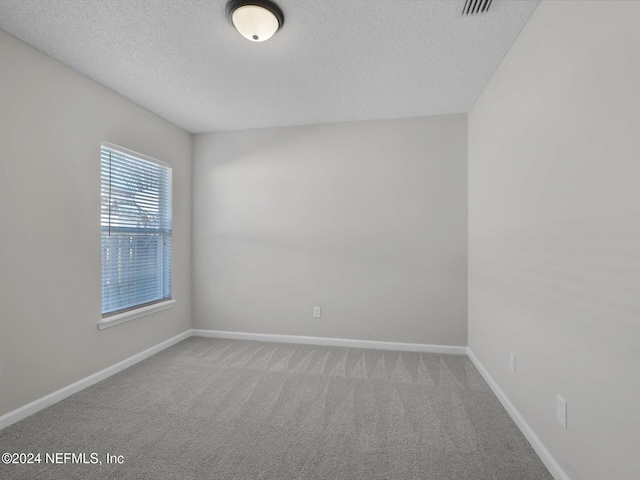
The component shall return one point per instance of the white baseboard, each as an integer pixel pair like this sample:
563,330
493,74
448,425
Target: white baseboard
331,342
552,465
42,403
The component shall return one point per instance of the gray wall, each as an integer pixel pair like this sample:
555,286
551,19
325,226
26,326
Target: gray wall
367,220
554,231
52,120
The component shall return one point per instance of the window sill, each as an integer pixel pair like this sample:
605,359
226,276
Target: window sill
133,314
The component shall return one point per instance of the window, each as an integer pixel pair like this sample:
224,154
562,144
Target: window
136,235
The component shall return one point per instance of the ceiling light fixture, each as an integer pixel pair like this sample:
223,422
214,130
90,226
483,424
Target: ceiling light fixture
256,20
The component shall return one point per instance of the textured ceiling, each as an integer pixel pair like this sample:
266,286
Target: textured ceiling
334,60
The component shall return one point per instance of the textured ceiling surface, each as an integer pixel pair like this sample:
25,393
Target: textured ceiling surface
333,61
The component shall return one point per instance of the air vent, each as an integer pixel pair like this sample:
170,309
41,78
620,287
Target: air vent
473,7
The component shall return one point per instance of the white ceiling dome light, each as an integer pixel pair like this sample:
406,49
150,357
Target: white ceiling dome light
256,20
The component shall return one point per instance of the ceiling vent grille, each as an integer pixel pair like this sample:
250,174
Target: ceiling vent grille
473,7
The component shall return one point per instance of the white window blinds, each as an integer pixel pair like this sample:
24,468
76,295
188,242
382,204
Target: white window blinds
136,230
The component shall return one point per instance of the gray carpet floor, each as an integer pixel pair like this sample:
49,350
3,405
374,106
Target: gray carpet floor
229,409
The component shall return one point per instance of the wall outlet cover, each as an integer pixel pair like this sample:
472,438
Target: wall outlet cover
561,411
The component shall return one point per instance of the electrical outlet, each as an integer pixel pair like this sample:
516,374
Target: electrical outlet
561,411
512,362
316,312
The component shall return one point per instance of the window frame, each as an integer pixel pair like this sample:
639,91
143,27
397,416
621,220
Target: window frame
144,309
